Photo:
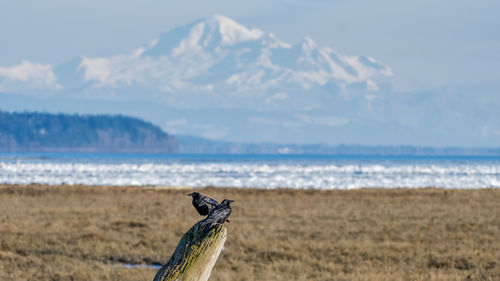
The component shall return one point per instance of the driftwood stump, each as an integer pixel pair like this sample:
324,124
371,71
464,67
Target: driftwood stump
195,255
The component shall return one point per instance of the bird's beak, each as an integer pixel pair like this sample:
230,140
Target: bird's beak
231,201
191,194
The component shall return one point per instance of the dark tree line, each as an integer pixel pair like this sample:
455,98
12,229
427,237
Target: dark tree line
31,131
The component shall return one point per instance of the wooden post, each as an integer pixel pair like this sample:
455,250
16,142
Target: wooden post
195,255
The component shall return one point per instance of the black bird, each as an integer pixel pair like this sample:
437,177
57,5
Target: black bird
203,204
220,213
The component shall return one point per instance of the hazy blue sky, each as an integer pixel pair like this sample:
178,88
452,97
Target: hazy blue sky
443,49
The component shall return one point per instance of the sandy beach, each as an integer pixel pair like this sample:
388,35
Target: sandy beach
91,232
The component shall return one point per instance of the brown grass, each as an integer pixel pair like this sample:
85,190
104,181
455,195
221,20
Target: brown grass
85,233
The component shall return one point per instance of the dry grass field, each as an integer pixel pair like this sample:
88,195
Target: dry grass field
87,233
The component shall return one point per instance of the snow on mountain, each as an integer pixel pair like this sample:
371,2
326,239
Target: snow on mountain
212,55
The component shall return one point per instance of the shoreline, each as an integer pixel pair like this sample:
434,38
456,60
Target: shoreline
171,187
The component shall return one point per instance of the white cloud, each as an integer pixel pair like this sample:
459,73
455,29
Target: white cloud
262,120
330,121
211,131
177,122
171,126
487,132
28,75
371,97
273,122
303,119
372,86
291,124
277,97
154,42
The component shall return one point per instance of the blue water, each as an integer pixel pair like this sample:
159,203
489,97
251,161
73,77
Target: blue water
169,158
262,171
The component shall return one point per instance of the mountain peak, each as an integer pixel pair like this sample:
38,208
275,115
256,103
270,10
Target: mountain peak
307,41
215,55
231,31
308,44
207,33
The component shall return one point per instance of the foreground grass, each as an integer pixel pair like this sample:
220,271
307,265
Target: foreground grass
86,233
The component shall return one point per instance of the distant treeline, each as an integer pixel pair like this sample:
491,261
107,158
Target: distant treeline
33,131
191,144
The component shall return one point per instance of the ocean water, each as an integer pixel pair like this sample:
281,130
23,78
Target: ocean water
261,171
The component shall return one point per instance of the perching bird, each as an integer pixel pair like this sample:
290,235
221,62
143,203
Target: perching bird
203,204
220,213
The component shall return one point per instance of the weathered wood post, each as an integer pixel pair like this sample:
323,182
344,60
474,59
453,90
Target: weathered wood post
195,255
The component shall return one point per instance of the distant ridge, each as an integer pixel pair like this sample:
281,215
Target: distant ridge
46,132
198,145
33,131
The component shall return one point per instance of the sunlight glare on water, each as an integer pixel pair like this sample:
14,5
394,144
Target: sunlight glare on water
263,171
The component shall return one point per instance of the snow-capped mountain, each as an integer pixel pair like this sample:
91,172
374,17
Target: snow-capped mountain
210,56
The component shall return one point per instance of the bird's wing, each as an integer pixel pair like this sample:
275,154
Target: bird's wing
210,201
222,215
